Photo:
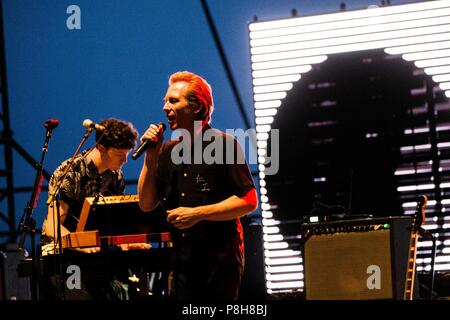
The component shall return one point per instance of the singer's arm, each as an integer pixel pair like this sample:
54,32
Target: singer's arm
228,209
148,198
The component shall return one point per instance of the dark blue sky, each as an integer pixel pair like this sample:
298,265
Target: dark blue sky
118,64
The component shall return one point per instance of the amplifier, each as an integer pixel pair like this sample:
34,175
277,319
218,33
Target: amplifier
356,259
14,283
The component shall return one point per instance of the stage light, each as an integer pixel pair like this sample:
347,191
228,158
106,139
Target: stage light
416,130
413,204
432,54
269,96
416,147
271,229
445,86
346,28
284,284
277,79
275,245
437,70
264,120
268,104
433,226
276,237
267,214
284,269
352,39
424,63
288,62
416,187
281,253
285,276
443,145
351,47
424,244
265,112
419,48
283,261
273,88
262,128
270,222
404,172
262,136
441,78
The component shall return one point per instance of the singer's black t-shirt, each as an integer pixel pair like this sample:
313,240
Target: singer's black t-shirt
202,250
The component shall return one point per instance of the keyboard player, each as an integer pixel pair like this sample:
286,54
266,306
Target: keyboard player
94,172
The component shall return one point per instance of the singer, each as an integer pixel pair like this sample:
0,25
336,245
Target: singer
97,172
203,201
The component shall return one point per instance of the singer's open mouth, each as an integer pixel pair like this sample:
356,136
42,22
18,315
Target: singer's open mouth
171,118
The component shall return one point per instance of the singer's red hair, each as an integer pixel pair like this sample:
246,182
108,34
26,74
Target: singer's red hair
200,91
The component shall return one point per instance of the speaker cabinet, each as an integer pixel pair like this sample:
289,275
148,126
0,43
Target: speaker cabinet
356,259
13,284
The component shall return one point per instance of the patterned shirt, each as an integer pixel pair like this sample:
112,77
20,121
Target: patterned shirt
83,180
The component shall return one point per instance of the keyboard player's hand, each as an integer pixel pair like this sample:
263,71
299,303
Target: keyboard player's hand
135,246
88,250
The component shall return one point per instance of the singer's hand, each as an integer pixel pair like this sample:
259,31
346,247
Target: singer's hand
155,134
183,217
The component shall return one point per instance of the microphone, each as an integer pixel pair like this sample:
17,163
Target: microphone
88,123
146,143
51,124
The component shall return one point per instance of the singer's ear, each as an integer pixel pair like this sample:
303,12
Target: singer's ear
199,111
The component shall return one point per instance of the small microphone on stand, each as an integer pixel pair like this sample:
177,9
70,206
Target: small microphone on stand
51,124
88,123
147,143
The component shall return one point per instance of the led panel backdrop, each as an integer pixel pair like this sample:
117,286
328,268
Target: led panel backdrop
360,102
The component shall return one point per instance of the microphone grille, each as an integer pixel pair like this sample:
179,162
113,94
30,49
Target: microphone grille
163,125
51,123
87,123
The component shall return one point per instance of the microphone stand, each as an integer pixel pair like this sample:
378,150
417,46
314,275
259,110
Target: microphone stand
28,223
